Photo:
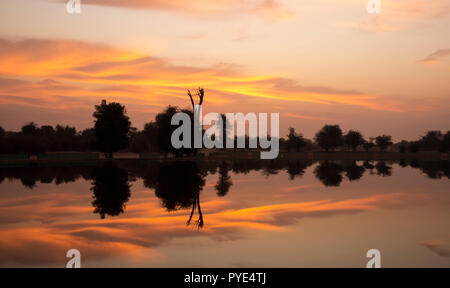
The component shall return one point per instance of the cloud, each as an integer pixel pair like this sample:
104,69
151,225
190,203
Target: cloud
435,57
437,247
269,9
63,74
396,15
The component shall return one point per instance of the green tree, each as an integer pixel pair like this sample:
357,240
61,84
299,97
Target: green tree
383,142
329,137
112,127
353,139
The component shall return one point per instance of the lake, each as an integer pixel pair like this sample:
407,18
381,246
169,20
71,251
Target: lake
242,213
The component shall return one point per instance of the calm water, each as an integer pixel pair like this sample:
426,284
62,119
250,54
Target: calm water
226,214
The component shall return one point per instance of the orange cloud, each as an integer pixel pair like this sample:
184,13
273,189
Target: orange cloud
52,72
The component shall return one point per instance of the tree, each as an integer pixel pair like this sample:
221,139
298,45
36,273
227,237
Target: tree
30,129
414,147
165,129
353,139
367,145
431,140
444,146
2,140
112,127
295,140
383,142
329,137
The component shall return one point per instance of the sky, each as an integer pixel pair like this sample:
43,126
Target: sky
314,62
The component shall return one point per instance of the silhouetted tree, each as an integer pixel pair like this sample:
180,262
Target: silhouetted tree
111,190
112,127
403,145
2,140
200,94
444,146
353,139
367,145
165,130
295,140
30,129
383,142
329,173
431,141
414,147
329,137
224,182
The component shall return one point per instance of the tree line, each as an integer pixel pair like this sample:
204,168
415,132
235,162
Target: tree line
113,132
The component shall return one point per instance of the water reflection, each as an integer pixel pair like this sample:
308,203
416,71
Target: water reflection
224,182
328,172
178,185
111,190
226,198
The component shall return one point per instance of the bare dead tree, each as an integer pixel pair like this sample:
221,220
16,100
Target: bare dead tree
200,94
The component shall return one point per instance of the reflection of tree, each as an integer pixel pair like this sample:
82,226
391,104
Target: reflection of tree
353,171
224,182
433,169
111,190
272,168
383,169
178,185
368,164
296,168
329,173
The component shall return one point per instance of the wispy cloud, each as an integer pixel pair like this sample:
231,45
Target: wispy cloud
437,247
435,57
396,15
269,9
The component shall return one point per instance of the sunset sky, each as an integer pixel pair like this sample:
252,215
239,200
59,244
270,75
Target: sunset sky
314,62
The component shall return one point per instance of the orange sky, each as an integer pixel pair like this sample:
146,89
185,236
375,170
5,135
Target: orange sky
315,63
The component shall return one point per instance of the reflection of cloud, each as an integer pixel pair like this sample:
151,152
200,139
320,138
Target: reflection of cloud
436,247
435,57
145,224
